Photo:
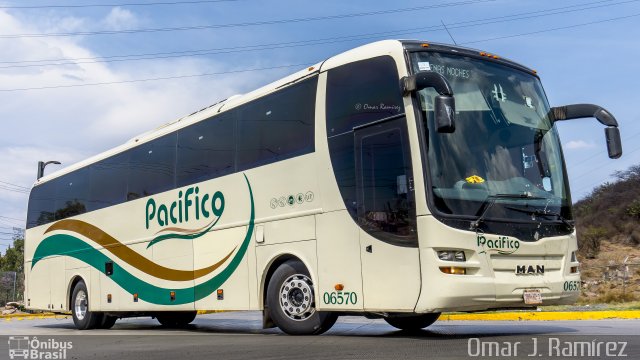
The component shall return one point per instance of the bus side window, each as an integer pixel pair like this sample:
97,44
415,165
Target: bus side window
362,92
206,150
152,167
357,93
72,194
41,205
108,181
277,127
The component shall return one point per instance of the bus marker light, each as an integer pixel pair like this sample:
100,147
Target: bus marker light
220,294
310,68
135,297
339,287
574,269
425,45
172,295
453,270
452,255
109,298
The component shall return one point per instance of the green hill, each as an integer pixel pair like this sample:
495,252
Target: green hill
608,227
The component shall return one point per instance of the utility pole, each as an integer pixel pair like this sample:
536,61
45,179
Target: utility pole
15,279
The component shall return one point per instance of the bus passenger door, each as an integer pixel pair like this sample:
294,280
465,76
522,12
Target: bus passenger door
386,215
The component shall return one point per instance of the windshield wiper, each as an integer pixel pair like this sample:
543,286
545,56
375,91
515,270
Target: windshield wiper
491,199
545,213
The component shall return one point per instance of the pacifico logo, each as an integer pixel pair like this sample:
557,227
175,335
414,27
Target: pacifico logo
503,245
192,205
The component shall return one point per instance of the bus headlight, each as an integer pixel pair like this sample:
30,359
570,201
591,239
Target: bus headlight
452,255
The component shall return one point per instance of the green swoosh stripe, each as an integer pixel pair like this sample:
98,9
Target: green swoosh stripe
182,236
68,245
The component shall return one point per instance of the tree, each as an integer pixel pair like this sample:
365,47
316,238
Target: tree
13,259
11,270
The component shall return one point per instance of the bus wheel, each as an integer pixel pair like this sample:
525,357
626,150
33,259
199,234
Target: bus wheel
412,323
107,321
291,301
176,319
82,317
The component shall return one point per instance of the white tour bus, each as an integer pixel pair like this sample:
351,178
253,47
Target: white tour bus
355,186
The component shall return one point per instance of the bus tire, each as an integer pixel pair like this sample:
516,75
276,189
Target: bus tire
291,301
82,317
413,322
107,321
176,319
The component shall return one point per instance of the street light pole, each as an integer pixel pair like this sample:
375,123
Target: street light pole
42,165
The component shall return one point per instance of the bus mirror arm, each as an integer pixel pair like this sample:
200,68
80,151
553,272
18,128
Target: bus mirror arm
577,111
444,103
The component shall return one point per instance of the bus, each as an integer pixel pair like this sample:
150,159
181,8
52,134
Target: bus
396,180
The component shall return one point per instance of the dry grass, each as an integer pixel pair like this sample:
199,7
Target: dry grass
598,289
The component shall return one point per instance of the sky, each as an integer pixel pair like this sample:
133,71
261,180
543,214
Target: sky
80,77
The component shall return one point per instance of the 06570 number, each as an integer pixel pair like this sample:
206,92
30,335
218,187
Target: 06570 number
572,286
340,298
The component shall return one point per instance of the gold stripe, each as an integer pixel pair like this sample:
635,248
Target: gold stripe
181,230
129,256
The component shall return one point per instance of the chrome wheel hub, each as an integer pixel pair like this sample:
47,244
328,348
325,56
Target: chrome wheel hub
81,305
296,297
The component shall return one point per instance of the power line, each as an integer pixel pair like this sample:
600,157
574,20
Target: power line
592,184
158,78
20,191
24,7
16,185
10,218
598,152
312,42
285,66
245,24
554,29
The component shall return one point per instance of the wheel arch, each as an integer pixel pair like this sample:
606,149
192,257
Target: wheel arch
75,279
273,264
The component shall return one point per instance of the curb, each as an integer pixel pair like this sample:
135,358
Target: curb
499,316
545,316
11,317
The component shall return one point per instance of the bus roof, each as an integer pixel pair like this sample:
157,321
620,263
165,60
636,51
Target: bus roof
359,53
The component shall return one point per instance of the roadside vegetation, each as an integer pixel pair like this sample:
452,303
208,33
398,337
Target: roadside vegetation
608,227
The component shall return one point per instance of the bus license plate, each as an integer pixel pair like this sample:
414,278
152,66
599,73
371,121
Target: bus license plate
532,297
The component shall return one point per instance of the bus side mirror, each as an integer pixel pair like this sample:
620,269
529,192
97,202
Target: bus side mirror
614,144
445,110
577,111
444,103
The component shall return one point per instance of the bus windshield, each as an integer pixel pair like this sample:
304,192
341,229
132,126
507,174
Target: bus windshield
504,148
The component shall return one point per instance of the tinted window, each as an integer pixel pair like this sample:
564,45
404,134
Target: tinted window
206,150
151,167
278,126
387,205
108,185
343,161
72,194
361,92
41,205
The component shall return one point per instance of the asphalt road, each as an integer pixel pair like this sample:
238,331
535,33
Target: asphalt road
238,335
